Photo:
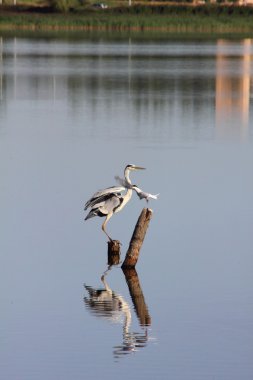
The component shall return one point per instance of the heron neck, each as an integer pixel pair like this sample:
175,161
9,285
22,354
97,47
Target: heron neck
127,178
127,196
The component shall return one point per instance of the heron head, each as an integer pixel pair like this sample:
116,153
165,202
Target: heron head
134,167
129,168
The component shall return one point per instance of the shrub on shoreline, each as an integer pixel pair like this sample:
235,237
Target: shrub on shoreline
208,18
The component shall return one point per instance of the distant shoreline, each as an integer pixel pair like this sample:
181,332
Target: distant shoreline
167,19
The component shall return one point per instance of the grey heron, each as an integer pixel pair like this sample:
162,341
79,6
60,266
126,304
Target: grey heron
107,202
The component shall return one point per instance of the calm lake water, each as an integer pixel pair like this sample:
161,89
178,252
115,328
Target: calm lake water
74,110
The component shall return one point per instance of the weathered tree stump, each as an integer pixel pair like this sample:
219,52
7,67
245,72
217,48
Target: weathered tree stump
113,253
137,239
137,296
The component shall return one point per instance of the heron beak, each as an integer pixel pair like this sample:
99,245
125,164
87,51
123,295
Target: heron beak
139,168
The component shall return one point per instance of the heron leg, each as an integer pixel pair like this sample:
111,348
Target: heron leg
104,224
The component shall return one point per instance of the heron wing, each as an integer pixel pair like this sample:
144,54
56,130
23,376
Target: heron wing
110,190
99,200
99,195
105,206
142,194
123,182
154,196
110,204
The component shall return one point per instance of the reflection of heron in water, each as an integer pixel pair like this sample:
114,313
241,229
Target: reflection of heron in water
107,304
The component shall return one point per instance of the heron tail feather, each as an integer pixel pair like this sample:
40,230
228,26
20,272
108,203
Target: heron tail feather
90,215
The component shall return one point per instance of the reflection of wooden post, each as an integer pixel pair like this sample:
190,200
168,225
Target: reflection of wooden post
139,233
113,252
137,296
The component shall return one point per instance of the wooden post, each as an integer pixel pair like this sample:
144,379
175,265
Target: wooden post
113,252
137,296
138,236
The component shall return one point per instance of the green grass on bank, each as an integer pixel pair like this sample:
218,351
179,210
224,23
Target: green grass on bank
219,19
